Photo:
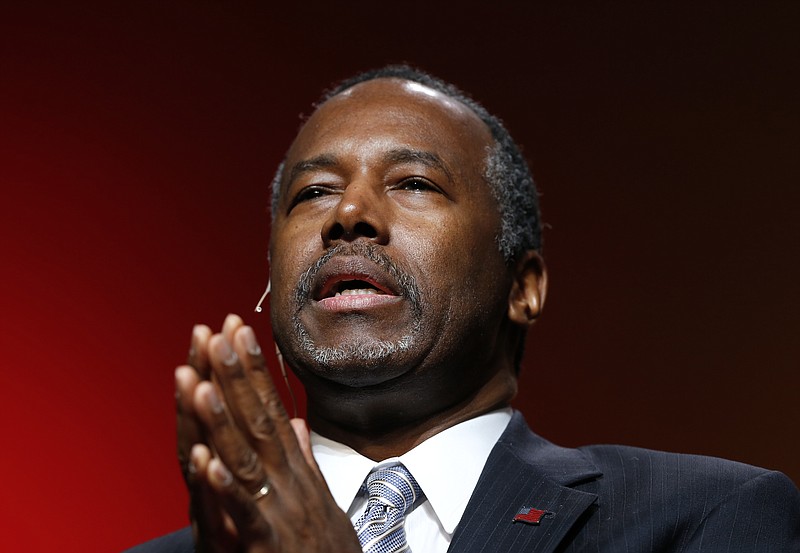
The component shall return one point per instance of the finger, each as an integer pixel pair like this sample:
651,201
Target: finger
304,441
268,524
252,358
265,427
209,525
228,441
253,530
231,324
189,431
214,530
198,350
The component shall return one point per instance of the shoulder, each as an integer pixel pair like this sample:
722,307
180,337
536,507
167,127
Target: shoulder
690,476
679,502
176,542
621,469
712,501
632,462
637,468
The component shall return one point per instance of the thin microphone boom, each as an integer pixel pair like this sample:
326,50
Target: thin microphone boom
278,353
286,380
264,296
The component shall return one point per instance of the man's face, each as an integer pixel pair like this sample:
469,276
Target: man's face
383,257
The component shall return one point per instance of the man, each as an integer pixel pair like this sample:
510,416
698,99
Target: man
405,271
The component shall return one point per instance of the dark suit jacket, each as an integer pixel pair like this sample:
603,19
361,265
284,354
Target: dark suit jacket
604,498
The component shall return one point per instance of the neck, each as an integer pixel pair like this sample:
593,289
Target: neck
361,421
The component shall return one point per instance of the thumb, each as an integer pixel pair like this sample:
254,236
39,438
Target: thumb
303,439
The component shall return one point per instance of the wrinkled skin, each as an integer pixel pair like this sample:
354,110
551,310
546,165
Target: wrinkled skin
383,187
242,416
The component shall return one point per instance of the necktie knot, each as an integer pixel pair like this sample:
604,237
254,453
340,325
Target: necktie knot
392,492
393,486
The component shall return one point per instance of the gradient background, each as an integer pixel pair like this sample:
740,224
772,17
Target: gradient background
137,146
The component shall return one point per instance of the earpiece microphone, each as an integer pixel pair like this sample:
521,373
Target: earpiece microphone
278,353
264,296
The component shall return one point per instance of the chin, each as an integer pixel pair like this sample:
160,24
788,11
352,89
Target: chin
354,352
357,364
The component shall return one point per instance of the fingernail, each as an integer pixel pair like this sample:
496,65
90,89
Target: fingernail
221,473
193,343
232,320
195,339
226,353
191,467
250,343
216,404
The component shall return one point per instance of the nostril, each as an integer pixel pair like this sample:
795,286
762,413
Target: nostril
365,229
340,231
336,231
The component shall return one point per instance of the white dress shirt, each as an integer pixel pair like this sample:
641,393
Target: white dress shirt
446,466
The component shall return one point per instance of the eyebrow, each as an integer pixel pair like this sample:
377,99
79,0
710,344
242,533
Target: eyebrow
398,155
429,159
307,165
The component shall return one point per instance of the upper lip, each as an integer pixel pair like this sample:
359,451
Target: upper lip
344,268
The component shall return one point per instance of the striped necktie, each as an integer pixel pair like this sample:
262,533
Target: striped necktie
392,492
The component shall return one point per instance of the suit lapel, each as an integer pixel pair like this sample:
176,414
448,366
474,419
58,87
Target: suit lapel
524,472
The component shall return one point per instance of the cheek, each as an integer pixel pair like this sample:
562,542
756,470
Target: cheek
288,262
431,243
456,260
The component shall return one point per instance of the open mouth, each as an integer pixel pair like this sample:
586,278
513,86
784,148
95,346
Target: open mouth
351,285
353,288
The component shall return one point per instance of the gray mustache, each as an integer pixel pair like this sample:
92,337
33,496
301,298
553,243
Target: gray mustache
406,283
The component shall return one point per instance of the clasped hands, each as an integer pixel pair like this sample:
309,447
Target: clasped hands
236,442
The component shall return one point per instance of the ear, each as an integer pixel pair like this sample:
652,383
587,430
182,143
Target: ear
528,291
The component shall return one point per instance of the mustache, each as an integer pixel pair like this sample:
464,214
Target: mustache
406,283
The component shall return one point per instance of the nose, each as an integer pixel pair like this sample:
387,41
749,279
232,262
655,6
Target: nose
360,214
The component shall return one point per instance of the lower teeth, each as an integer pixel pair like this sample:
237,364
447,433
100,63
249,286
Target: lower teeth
357,292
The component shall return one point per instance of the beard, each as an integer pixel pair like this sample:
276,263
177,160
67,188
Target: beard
365,352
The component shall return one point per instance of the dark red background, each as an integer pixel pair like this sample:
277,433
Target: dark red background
137,146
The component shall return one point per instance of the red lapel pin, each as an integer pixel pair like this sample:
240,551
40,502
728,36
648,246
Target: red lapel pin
530,515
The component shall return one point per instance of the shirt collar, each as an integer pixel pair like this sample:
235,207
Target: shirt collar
448,485
344,468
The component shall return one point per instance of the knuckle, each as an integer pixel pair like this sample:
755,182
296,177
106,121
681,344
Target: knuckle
233,371
262,426
248,468
275,405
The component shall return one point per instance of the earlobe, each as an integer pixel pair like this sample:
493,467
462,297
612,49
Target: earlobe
528,291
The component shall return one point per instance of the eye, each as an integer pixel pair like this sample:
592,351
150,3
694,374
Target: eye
309,193
417,184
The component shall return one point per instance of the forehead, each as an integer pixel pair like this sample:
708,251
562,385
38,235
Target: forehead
384,113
